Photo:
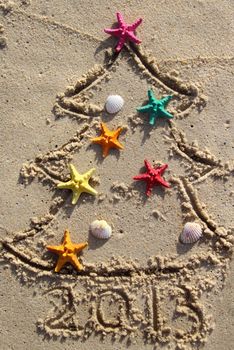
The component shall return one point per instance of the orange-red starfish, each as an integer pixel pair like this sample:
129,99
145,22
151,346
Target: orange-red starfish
108,139
67,252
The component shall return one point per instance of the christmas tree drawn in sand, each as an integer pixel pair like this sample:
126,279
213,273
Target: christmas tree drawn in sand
132,286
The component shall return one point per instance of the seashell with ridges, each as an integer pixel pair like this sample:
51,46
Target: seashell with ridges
114,103
191,233
100,229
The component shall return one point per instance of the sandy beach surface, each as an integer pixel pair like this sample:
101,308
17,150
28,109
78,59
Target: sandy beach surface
142,288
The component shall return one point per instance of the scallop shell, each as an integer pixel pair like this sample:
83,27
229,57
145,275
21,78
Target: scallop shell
114,103
191,233
100,229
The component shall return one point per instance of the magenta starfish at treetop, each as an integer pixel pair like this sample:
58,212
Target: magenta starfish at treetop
124,31
153,177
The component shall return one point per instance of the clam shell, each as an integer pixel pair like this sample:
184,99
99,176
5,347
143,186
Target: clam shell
100,229
191,233
114,103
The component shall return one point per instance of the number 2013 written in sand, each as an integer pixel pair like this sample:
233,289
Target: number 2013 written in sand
156,313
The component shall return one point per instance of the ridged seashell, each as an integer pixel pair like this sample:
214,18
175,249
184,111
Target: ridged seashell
191,233
114,103
100,229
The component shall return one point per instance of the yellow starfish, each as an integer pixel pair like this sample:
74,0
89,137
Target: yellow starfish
79,183
108,139
67,252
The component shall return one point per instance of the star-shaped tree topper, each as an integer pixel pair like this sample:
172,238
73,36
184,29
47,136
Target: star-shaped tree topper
153,177
156,108
108,139
79,183
67,252
124,31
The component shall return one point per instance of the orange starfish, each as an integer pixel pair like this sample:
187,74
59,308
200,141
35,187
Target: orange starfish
67,252
108,139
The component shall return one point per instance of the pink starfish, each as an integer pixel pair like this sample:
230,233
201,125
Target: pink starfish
124,31
152,177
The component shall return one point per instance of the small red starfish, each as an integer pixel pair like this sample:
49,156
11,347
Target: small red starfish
152,176
124,31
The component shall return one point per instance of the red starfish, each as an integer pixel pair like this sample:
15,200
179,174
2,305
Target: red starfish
124,31
152,176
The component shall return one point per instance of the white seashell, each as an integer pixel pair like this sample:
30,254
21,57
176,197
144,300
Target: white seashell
191,233
114,103
100,229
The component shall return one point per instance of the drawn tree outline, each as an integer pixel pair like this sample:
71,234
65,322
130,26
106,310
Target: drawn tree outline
74,104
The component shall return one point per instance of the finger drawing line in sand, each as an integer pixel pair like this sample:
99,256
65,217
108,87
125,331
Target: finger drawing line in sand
224,63
193,209
11,7
55,159
3,40
74,102
203,163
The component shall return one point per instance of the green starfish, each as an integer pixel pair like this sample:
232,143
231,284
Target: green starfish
156,108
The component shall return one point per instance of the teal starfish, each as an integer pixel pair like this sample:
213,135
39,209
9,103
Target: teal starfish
156,108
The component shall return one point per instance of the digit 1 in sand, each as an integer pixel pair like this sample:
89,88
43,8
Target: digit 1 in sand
162,332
